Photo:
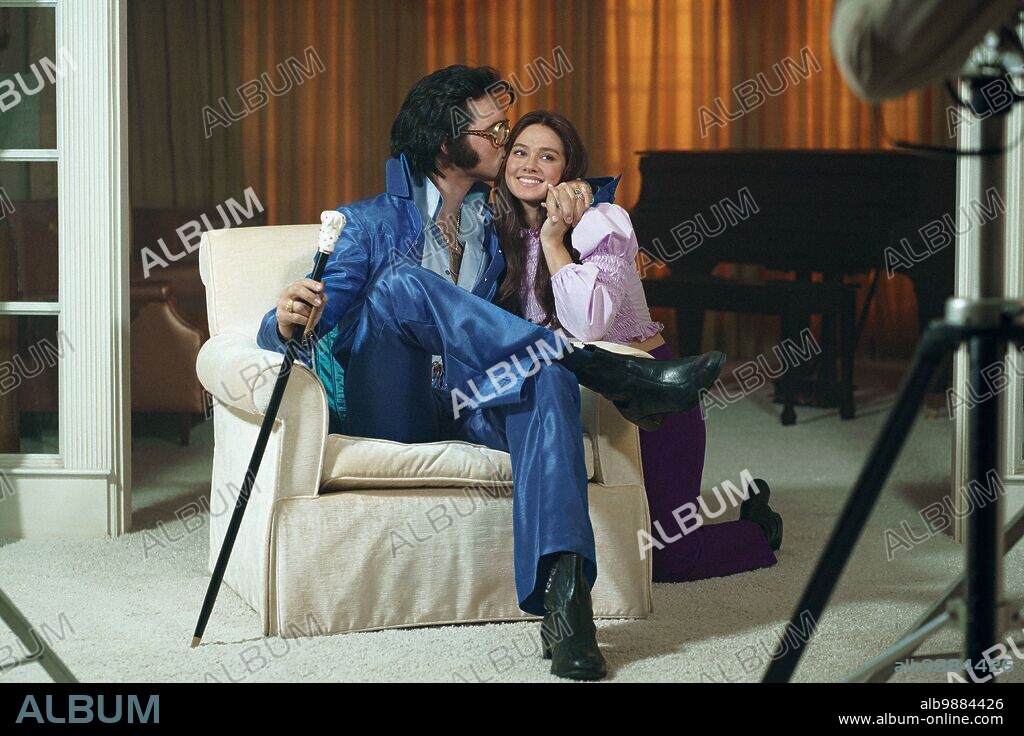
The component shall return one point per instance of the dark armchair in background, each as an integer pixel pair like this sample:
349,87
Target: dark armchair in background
169,322
164,348
168,311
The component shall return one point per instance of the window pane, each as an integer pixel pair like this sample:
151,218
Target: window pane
29,68
28,232
30,353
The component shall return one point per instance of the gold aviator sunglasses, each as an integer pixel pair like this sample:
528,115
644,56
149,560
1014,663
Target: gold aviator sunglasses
498,133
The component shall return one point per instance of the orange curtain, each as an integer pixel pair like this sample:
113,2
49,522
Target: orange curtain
641,72
182,57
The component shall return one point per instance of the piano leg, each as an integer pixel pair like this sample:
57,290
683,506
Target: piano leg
805,381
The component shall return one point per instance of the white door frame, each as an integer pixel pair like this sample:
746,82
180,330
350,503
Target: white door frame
85,489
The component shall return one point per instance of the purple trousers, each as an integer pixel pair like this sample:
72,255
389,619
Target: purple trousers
673,459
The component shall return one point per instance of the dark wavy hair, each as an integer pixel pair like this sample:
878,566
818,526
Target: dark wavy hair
510,218
436,109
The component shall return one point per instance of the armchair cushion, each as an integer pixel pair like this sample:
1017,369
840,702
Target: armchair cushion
359,463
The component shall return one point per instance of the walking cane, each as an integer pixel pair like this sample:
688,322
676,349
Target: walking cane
330,229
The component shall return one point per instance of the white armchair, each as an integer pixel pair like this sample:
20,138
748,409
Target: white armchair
357,534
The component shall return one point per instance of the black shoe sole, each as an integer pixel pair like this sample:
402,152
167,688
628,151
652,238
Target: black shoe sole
573,674
757,510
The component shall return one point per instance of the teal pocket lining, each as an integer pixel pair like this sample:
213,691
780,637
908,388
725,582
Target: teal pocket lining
332,375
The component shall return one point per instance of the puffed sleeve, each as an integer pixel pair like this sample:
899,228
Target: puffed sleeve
588,295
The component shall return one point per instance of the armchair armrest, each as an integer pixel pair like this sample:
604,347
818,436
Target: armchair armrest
241,376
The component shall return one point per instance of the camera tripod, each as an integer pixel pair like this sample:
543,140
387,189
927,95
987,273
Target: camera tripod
49,661
986,324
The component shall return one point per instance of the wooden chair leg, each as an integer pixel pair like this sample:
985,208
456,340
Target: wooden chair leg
185,428
789,378
849,347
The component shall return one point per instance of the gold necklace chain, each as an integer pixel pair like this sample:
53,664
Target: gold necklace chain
454,251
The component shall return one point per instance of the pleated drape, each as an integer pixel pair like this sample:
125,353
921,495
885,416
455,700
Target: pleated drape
641,73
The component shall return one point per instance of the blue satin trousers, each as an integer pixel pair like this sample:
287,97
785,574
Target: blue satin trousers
502,389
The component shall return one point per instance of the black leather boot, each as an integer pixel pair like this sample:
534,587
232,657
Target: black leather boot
757,510
568,634
645,391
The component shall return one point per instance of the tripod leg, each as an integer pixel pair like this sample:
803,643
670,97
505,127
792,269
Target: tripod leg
984,524
881,669
937,341
49,661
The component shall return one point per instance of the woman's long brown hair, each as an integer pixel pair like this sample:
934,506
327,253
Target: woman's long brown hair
510,217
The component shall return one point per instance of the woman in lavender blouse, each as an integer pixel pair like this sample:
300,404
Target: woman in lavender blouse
585,281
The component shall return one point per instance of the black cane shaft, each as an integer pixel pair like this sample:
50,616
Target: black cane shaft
243,496
874,473
254,467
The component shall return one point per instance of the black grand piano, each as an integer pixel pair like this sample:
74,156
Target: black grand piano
800,211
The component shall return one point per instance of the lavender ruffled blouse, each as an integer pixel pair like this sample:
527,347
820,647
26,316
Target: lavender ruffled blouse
602,297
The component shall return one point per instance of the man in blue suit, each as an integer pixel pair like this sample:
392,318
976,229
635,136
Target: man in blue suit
410,286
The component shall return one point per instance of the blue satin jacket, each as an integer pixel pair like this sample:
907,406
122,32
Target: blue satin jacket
381,231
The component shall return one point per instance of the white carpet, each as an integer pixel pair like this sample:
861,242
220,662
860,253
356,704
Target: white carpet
123,610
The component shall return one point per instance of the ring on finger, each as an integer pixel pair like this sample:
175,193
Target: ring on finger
288,306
